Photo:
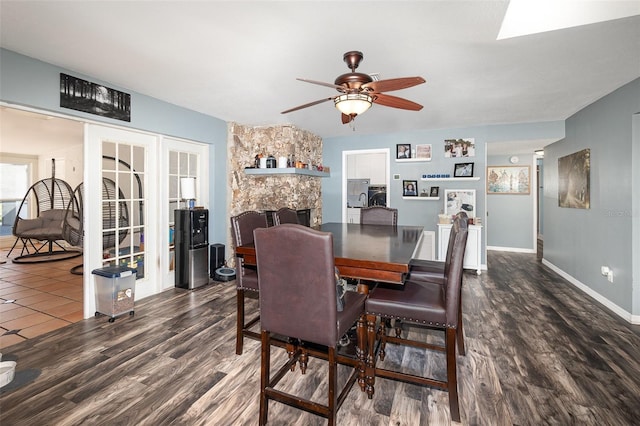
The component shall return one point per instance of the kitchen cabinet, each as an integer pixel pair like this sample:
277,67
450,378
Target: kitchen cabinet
353,215
370,166
473,250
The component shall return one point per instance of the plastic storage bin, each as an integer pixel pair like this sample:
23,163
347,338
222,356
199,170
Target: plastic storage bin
115,290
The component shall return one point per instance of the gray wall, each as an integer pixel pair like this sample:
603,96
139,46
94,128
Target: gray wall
580,241
511,218
28,82
425,212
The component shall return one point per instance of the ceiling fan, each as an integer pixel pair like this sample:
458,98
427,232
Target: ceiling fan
358,91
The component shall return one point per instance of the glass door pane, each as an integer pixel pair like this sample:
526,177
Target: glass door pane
123,210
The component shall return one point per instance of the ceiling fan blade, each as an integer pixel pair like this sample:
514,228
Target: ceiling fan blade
322,83
395,102
346,119
308,105
393,84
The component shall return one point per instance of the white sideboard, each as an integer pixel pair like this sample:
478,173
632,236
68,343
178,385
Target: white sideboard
473,251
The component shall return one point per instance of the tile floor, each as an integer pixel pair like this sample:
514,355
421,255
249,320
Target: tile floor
37,298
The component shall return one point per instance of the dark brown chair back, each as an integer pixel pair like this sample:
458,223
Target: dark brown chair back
242,226
462,220
378,215
297,284
453,276
285,215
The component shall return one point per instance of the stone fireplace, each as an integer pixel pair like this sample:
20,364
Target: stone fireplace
271,192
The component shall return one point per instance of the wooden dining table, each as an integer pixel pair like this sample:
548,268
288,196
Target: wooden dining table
368,253
365,252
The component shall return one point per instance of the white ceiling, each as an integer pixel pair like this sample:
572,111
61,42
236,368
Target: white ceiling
239,60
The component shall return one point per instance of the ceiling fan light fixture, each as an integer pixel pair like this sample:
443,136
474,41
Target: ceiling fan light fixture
353,103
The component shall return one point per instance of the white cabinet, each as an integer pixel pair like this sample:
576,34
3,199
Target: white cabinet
473,251
353,215
370,166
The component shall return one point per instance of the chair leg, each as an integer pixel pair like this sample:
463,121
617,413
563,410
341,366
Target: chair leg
265,361
333,379
452,375
239,321
370,368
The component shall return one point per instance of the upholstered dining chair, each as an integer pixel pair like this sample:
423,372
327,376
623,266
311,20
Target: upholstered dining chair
435,271
285,215
378,215
298,300
242,227
425,304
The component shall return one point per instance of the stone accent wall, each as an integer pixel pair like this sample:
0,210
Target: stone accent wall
250,192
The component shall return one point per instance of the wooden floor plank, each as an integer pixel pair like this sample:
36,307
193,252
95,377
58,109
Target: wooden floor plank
538,352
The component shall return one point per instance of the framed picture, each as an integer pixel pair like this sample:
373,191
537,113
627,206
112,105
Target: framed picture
509,180
574,185
409,188
403,151
92,98
423,152
463,170
456,148
456,200
434,191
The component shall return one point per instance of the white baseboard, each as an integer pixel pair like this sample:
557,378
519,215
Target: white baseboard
627,316
511,249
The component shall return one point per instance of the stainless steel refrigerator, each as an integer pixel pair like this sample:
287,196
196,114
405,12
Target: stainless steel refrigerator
357,192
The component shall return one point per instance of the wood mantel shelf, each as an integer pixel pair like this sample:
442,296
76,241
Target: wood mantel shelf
287,171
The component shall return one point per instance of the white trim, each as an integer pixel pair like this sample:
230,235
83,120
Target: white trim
511,249
627,316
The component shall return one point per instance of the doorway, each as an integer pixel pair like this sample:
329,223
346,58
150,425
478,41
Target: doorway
370,166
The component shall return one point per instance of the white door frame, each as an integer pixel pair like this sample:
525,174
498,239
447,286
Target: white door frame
345,154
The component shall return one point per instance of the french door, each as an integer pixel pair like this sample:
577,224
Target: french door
121,187
181,159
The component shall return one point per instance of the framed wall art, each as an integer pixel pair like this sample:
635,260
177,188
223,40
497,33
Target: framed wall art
85,96
409,188
456,200
509,180
456,148
574,181
403,151
423,152
463,170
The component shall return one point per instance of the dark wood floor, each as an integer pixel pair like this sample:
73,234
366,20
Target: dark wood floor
539,352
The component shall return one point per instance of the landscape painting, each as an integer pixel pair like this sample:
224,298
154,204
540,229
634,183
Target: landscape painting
508,180
85,96
573,180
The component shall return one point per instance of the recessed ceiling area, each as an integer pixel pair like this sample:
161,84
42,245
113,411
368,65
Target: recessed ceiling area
526,17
